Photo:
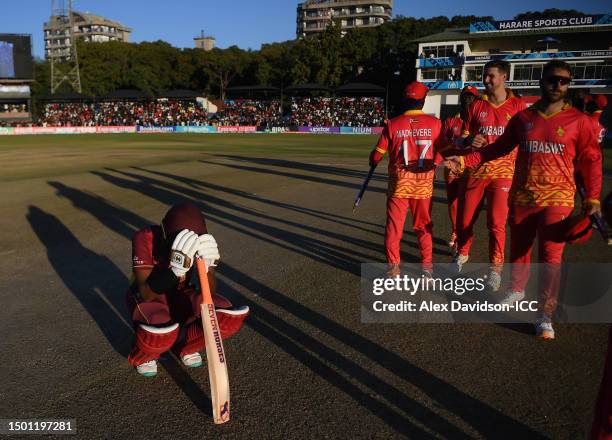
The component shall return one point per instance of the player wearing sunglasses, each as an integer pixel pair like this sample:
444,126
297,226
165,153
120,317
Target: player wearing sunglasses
555,141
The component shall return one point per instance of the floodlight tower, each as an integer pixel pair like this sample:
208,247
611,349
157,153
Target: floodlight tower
63,51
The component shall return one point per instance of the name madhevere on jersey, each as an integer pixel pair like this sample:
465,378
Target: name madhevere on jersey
543,147
413,132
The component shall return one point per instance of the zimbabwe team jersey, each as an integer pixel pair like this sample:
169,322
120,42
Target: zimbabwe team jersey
490,121
551,149
412,140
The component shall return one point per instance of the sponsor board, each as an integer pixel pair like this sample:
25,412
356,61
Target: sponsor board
539,55
53,130
116,129
319,130
237,129
141,129
361,130
4,131
196,129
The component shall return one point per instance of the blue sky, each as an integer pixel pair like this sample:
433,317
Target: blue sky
245,23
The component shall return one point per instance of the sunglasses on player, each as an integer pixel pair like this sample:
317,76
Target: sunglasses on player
555,79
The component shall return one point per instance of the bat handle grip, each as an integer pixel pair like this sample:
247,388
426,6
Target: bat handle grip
204,286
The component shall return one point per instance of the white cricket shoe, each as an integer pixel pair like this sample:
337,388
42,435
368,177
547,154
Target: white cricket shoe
458,262
192,360
493,281
544,329
148,369
512,296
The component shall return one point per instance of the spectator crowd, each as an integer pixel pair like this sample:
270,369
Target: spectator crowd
160,113
250,112
315,111
336,112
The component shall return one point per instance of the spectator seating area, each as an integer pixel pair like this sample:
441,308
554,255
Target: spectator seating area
314,111
335,112
262,113
161,113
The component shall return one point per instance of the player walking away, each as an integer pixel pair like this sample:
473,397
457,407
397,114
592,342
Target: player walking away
452,129
412,142
163,300
555,141
486,121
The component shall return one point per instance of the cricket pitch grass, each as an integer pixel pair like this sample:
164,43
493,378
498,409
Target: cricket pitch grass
304,366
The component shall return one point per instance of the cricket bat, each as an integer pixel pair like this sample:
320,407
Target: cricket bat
215,354
363,187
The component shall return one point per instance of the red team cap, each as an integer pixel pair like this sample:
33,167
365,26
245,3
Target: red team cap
416,90
183,216
601,101
471,90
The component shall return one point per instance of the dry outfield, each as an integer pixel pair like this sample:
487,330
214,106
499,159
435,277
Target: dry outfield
304,367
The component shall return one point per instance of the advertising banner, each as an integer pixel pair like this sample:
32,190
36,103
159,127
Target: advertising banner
236,129
156,129
54,130
319,130
361,130
4,131
539,55
116,129
196,129
535,84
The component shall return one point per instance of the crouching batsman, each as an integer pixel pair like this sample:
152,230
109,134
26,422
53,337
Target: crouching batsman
556,141
164,300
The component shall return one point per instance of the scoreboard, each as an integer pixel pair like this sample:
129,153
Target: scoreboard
15,56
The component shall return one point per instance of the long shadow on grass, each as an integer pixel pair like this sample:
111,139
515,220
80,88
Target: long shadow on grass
305,166
305,177
308,351
97,283
322,215
193,183
249,222
486,420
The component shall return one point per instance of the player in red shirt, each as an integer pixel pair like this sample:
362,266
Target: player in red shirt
486,121
412,140
452,129
163,298
555,141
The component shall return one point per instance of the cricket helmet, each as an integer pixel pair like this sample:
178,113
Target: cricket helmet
183,216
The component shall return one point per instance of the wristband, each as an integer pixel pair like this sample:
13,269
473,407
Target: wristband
162,280
591,202
467,142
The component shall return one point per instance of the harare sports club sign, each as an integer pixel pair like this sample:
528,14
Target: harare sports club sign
541,23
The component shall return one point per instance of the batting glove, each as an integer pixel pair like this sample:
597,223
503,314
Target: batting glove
183,250
208,250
